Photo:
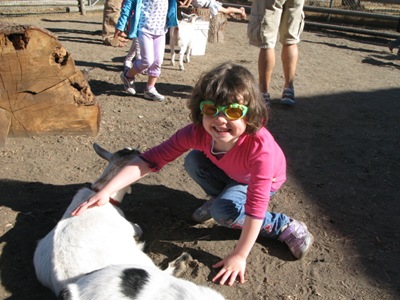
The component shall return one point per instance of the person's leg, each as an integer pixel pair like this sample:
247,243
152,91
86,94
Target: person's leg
266,64
262,31
112,9
134,51
292,25
146,44
146,59
154,70
289,58
207,175
229,196
227,206
228,210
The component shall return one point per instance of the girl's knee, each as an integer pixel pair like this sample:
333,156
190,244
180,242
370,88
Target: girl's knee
191,161
188,163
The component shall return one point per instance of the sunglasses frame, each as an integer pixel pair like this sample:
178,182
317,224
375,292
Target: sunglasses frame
220,108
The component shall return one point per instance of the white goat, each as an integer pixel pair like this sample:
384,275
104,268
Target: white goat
183,36
95,240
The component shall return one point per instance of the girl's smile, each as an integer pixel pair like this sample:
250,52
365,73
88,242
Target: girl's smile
224,132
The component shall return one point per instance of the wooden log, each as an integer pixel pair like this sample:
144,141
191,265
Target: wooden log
216,32
41,90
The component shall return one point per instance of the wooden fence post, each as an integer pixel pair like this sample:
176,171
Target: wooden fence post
82,7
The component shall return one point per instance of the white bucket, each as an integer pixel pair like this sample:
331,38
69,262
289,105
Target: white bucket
200,38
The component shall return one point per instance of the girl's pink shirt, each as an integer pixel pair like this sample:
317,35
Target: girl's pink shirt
255,160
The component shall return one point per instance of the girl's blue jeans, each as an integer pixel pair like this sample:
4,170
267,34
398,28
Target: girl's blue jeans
230,196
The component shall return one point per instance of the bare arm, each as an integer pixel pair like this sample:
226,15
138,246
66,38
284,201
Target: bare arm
185,3
235,263
132,172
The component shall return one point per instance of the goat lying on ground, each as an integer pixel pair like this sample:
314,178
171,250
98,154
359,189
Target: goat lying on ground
95,240
183,36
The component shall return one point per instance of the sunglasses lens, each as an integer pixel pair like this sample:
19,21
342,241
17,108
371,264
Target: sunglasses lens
210,110
234,113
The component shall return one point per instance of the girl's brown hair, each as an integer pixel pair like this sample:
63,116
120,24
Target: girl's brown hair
230,83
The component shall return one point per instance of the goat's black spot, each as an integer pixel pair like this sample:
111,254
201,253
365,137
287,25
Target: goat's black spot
133,281
64,294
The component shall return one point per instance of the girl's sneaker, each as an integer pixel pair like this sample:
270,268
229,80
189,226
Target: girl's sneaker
129,86
203,214
297,237
152,94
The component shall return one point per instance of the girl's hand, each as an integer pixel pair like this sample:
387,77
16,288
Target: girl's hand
98,199
117,33
232,267
119,39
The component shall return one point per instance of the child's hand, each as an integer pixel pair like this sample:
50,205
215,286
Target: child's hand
98,199
232,267
119,39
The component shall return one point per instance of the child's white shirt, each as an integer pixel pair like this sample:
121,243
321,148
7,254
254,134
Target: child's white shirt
153,17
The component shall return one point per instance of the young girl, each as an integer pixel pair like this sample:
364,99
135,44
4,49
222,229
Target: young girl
149,23
234,159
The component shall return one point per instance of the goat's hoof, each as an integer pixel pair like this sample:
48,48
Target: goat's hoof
180,264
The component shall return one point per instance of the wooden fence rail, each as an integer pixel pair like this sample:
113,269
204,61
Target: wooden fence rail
38,3
9,7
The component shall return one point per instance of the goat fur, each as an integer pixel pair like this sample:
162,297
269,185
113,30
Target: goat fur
135,282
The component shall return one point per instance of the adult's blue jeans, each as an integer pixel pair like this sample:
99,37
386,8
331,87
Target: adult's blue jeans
230,196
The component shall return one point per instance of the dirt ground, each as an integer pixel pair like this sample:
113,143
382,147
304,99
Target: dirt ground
341,141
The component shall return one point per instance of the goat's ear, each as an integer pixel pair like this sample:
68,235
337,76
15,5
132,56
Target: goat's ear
103,153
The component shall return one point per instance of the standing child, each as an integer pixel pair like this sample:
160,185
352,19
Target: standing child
149,24
234,159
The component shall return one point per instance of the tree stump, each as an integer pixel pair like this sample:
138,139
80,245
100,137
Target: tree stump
41,91
216,32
